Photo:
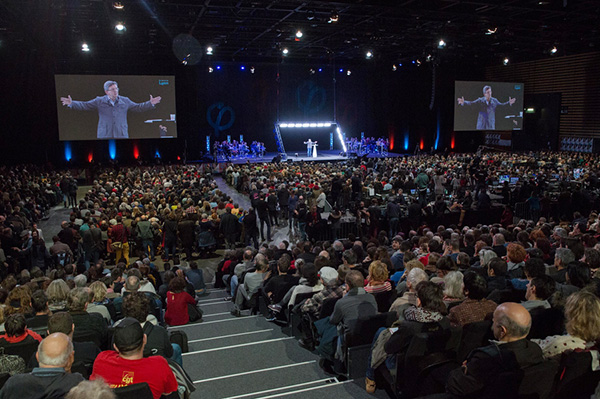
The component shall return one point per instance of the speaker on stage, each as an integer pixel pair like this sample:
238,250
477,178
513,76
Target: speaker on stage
277,158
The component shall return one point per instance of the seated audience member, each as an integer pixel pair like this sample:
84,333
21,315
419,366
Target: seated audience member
333,281
98,300
582,314
562,258
277,286
85,352
177,303
196,277
39,304
515,256
408,266
475,307
496,272
415,276
377,280
355,303
53,377
476,377
136,306
17,332
253,281
126,365
97,389
576,277
426,316
86,323
463,261
309,282
539,290
453,288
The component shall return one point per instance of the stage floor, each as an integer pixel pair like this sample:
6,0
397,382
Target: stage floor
323,156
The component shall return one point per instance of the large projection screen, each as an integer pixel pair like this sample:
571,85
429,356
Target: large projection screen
488,106
94,115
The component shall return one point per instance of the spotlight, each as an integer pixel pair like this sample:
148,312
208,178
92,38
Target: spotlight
85,48
242,67
334,17
554,50
418,62
117,5
283,125
209,50
305,124
341,70
320,69
210,70
252,70
311,71
399,65
313,125
394,68
348,72
218,67
285,51
491,31
429,58
369,55
505,61
120,27
414,62
299,34
441,44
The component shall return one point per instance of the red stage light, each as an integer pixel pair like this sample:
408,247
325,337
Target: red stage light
178,158
90,157
422,145
452,143
136,151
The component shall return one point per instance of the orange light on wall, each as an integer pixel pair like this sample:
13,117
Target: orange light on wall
136,151
391,135
452,143
422,144
90,157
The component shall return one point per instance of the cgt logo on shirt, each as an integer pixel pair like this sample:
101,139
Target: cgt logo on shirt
127,377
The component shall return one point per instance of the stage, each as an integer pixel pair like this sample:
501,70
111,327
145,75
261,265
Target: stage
323,156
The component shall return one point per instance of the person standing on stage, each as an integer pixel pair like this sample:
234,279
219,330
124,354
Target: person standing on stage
309,147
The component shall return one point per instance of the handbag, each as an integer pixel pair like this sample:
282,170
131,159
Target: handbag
116,245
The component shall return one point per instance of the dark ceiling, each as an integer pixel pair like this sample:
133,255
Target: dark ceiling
256,30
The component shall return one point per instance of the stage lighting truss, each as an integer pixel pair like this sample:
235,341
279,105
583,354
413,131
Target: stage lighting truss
286,125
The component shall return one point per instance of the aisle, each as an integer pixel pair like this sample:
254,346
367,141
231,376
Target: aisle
248,357
278,233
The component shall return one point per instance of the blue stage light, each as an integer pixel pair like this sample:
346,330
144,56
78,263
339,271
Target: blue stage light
112,149
242,67
68,154
218,67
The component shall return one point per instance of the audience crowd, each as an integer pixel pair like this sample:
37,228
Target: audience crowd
380,253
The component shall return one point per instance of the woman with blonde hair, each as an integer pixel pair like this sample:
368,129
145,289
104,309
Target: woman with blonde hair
582,317
378,278
98,300
58,292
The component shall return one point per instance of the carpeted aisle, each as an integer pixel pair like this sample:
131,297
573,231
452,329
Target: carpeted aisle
248,357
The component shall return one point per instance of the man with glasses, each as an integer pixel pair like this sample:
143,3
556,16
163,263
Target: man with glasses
112,110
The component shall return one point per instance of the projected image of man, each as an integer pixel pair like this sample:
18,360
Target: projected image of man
486,120
112,110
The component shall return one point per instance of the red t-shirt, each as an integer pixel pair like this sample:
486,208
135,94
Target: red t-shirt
119,372
177,312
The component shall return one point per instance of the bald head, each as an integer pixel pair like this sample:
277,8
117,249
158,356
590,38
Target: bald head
56,350
511,322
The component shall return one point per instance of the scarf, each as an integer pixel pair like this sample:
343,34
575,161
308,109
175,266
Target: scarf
422,315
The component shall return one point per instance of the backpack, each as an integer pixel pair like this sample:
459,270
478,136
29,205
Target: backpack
185,385
180,338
